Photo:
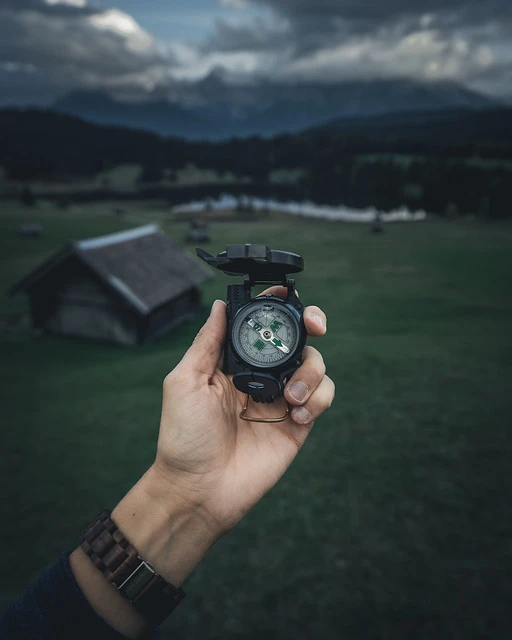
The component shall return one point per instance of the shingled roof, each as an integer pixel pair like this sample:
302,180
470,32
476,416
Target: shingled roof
143,265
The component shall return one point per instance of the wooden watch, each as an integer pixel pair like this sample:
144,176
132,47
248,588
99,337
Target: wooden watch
131,575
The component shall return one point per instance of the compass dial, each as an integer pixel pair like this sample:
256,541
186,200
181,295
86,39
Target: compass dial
265,333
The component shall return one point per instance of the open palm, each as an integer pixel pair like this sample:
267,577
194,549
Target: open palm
217,461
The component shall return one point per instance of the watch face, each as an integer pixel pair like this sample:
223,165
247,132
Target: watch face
265,333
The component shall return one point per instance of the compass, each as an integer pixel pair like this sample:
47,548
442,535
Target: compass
266,334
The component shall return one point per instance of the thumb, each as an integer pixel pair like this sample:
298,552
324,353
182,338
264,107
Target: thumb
205,351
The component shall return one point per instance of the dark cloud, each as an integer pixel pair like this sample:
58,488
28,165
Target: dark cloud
40,6
496,80
326,40
373,12
64,46
313,24
257,36
47,48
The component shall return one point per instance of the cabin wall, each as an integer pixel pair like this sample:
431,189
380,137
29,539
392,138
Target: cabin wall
74,319
170,315
75,303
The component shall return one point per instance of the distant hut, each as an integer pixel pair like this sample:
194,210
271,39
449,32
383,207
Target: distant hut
30,230
27,197
129,287
198,233
377,226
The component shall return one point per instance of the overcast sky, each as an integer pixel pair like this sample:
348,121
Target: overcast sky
138,47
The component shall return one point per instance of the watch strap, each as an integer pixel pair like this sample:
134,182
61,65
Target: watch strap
131,575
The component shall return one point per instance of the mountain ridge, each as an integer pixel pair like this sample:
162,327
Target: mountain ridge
213,109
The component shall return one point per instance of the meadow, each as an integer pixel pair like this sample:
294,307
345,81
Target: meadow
394,522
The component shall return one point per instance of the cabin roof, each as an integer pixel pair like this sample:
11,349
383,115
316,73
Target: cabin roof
143,265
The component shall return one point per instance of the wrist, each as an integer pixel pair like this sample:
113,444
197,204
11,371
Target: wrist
169,532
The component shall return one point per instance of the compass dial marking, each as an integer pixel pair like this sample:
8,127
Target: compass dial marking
265,334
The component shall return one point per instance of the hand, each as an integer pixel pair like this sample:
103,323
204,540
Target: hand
211,467
215,461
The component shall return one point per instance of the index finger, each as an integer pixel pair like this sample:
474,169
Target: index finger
280,292
314,318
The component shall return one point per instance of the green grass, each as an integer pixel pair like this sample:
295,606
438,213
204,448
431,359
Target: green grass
406,160
395,520
124,176
287,176
191,175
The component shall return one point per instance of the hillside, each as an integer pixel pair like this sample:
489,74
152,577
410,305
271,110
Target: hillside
41,144
159,116
459,161
440,128
215,109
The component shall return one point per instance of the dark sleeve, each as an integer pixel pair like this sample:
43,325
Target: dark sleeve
54,608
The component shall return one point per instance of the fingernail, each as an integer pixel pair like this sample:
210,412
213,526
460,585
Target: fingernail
301,415
320,319
298,391
213,305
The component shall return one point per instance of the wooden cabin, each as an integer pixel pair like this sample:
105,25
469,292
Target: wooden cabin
129,287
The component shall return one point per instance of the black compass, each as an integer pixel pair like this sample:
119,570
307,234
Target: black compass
266,334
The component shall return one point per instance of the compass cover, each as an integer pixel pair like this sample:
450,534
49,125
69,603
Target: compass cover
257,260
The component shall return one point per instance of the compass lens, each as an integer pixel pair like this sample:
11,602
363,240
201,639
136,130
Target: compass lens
265,333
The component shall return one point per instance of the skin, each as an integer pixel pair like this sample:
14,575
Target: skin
211,467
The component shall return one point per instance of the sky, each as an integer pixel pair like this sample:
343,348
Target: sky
135,49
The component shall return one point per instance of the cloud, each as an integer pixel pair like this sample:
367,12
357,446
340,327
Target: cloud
58,45
315,24
423,54
369,13
49,7
71,3
259,35
236,4
329,40
68,44
190,63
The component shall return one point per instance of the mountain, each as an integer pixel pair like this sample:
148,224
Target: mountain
158,116
269,108
216,109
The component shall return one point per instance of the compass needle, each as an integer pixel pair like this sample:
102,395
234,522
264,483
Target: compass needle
276,342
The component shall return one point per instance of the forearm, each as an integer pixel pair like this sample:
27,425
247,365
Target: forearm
104,598
167,532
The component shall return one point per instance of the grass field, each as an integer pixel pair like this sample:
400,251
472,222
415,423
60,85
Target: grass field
394,522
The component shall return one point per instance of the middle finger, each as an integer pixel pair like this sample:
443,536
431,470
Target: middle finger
307,377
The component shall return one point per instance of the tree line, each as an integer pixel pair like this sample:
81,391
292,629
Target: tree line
456,163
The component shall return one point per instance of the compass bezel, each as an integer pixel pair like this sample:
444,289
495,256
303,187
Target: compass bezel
287,309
